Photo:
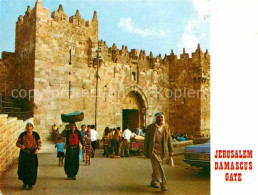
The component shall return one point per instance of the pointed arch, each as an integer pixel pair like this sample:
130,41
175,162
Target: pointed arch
137,89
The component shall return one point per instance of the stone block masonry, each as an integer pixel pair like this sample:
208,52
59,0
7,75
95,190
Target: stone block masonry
55,62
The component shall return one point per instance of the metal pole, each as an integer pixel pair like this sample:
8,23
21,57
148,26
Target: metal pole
0,103
145,126
97,81
96,102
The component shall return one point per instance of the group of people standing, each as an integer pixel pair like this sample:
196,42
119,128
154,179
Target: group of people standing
116,143
157,147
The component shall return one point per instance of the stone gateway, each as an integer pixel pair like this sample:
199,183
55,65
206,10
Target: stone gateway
56,61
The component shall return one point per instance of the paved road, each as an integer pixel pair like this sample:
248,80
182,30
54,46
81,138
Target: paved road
108,176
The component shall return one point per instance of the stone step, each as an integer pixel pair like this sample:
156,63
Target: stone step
16,109
7,99
16,112
7,104
7,109
8,113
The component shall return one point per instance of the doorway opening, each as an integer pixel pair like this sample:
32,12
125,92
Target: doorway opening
130,118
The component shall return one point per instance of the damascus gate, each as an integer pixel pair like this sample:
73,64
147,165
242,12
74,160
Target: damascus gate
60,66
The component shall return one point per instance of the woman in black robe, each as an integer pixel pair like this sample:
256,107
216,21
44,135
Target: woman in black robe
29,144
73,137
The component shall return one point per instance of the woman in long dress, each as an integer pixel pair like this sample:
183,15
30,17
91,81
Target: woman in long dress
73,137
29,144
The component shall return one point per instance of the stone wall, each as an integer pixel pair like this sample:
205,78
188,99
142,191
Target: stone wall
64,65
189,79
114,88
10,129
205,97
56,58
25,56
8,76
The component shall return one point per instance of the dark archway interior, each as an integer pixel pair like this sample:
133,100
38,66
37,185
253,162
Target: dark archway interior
130,118
133,111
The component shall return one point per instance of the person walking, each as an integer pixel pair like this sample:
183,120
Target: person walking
29,144
158,147
83,133
88,148
60,151
73,137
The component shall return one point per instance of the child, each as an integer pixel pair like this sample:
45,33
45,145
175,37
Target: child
88,149
83,132
60,150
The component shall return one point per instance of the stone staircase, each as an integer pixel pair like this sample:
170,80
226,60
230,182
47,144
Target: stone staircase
8,107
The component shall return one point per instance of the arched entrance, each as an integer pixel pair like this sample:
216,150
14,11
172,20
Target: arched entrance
133,111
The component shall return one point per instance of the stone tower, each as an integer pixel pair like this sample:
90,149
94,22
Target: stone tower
190,103
55,63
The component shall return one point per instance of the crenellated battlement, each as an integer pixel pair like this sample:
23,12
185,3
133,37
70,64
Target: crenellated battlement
77,20
41,13
124,56
59,15
134,56
29,14
198,54
38,12
86,32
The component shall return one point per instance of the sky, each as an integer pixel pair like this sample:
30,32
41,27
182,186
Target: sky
152,25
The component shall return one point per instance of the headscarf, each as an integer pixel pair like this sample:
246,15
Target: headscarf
54,127
155,117
29,122
73,123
